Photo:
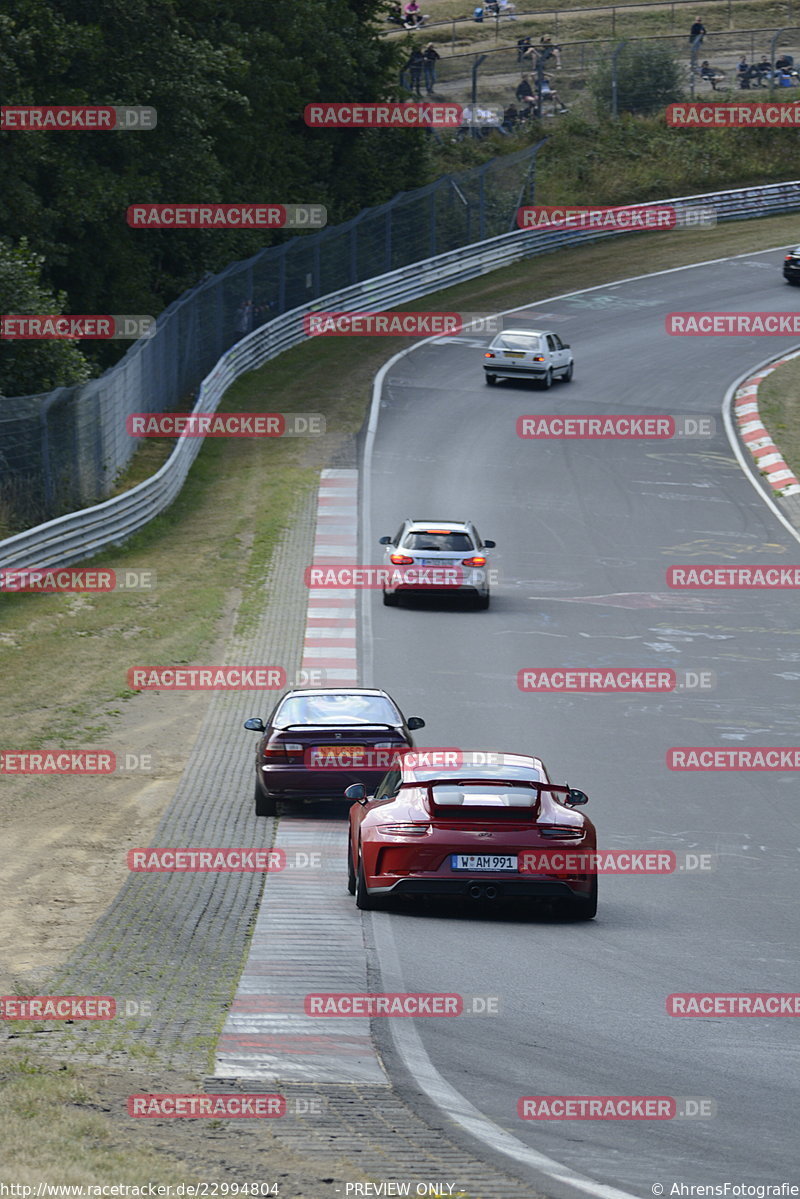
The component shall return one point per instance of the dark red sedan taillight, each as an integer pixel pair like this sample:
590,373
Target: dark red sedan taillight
283,751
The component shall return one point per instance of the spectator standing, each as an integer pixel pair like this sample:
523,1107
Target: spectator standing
547,50
524,44
244,317
430,57
743,71
697,33
414,66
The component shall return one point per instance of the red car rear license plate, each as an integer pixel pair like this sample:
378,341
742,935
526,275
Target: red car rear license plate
483,861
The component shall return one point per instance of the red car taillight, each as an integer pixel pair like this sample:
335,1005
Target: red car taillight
476,561
401,560
405,830
562,832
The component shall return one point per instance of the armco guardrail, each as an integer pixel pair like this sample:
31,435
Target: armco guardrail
80,535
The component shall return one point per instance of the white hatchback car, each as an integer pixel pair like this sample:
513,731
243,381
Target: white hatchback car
528,354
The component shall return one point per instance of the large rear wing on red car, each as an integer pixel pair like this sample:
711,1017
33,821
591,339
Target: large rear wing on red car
488,810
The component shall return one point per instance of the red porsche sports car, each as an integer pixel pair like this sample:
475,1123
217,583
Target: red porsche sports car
489,828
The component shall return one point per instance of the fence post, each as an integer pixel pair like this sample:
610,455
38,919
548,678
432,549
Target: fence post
614,85
432,246
528,185
475,69
693,63
772,46
482,204
464,201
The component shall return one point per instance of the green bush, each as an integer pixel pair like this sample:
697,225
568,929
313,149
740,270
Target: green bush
648,78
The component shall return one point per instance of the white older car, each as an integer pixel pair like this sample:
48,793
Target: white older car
528,354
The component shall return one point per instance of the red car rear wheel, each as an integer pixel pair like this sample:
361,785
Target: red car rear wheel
351,874
363,899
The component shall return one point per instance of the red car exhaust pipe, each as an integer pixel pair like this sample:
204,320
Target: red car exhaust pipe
491,892
475,891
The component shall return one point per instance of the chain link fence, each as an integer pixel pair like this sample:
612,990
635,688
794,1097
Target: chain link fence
607,20
493,75
64,450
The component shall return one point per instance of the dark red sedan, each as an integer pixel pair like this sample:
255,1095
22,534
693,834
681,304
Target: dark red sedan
319,740
492,826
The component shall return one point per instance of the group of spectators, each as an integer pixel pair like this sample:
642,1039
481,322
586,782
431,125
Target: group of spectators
421,63
755,74
540,53
747,74
494,8
410,17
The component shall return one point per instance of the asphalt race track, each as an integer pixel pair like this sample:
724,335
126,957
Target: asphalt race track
586,531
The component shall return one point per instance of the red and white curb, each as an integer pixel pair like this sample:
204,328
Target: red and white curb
308,936
755,435
330,640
